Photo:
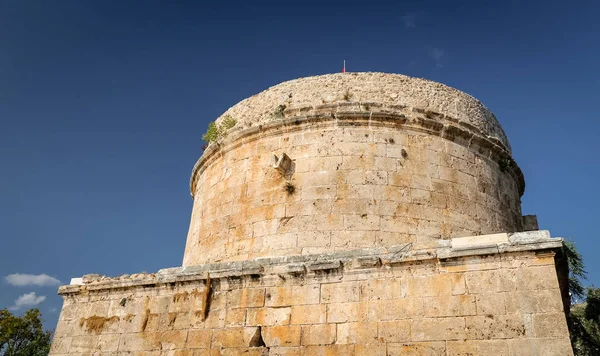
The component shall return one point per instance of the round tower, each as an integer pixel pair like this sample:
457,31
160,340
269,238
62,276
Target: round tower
348,161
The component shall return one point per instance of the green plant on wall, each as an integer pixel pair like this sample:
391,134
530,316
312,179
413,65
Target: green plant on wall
278,112
227,123
215,132
505,164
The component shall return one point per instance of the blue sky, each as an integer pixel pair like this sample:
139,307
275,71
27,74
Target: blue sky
103,105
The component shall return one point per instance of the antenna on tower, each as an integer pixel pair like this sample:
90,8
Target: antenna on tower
344,68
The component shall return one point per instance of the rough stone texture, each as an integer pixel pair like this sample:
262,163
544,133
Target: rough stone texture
505,303
354,187
356,214
416,162
369,90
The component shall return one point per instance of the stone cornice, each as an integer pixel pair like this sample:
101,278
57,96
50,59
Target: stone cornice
347,261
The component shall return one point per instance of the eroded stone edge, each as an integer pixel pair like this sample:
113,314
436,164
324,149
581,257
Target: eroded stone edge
346,260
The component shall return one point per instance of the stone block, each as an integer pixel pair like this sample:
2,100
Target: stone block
434,329
281,335
330,222
285,351
472,241
198,339
540,346
329,350
417,349
324,265
346,312
66,328
435,285
309,314
60,345
215,318
239,351
149,341
491,304
373,349
246,298
390,194
449,305
108,343
477,347
385,238
268,316
394,331
314,239
535,278
345,240
362,222
235,317
395,309
541,301
319,334
357,333
550,325
495,326
319,192
375,289
232,337
491,281
343,292
292,295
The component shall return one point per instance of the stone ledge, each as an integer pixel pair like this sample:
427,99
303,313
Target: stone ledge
346,260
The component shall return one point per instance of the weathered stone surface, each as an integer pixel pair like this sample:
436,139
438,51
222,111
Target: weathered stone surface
319,334
438,329
353,174
282,335
478,305
417,349
391,225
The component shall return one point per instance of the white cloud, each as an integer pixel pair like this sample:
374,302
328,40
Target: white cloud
53,310
21,279
437,54
409,20
28,300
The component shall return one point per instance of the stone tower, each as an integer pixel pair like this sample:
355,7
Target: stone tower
343,214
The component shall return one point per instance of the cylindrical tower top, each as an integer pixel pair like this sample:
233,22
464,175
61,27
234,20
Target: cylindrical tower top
375,159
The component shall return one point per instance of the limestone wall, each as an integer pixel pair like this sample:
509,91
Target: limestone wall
452,301
360,179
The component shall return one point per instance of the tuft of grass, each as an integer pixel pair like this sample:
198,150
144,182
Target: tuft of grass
347,95
212,133
278,112
215,132
227,123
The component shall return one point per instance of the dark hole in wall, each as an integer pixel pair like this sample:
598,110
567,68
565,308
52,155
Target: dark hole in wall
257,340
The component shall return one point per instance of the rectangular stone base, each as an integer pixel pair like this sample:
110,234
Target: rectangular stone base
483,296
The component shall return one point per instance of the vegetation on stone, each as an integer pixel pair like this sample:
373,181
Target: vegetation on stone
278,112
215,132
